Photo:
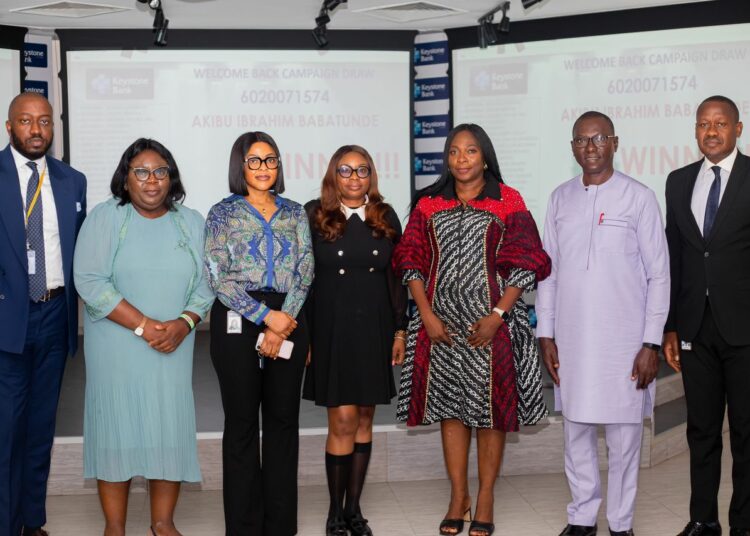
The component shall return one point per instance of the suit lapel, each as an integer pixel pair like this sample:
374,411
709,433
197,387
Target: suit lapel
11,205
736,181
687,199
62,189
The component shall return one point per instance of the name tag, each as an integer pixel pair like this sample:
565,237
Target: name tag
687,346
234,323
31,256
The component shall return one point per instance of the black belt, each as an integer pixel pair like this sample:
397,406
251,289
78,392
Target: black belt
50,294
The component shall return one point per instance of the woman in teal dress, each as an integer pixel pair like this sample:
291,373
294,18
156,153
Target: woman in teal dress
138,268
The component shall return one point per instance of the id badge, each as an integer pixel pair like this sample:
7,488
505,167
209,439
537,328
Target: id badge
234,323
687,346
31,256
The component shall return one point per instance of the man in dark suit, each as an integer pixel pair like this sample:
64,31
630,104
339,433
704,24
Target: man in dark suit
42,206
707,334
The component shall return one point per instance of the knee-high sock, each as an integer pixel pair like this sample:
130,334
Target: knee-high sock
337,471
360,461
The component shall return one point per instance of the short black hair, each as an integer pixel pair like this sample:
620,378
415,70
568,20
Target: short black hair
237,184
723,99
593,114
176,192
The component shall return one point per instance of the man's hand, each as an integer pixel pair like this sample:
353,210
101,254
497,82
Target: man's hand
671,346
549,357
645,367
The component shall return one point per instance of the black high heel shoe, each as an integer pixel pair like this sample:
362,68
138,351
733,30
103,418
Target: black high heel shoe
451,527
336,526
479,528
358,525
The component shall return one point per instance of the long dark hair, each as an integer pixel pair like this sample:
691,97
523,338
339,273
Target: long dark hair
237,184
492,173
176,192
328,219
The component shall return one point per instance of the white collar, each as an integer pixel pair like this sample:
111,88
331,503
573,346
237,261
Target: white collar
725,164
21,161
359,211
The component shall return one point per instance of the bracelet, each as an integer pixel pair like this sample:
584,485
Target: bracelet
190,322
651,346
401,332
399,337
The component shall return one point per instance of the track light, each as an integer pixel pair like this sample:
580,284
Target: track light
323,18
528,3
319,35
161,23
487,30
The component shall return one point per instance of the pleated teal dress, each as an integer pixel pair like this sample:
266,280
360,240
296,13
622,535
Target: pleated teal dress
139,410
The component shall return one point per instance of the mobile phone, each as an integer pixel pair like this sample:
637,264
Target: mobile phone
285,352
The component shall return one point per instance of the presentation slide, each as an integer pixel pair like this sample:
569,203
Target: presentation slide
10,83
197,102
527,97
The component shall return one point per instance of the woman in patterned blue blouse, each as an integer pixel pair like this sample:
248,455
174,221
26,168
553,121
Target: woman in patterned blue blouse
260,264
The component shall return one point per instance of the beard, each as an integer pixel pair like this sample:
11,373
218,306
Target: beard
31,154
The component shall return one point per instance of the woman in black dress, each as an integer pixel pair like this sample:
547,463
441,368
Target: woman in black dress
357,314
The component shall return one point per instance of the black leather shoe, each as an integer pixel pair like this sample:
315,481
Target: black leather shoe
699,528
628,532
34,531
579,530
358,525
336,526
739,532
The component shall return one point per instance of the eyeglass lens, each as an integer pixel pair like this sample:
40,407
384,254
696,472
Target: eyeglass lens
271,162
346,171
142,174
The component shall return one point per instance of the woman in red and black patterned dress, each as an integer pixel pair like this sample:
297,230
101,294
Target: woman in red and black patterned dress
469,251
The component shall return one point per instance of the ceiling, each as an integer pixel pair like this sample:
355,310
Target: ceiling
299,14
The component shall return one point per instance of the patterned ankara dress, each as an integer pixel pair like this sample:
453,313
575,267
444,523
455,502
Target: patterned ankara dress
467,255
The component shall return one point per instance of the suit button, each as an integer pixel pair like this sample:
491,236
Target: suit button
705,255
342,271
374,251
372,269
2,296
341,253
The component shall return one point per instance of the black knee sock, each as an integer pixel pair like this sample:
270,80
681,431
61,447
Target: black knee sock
360,461
337,471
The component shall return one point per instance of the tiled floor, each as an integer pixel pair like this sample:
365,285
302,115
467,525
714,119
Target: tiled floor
524,506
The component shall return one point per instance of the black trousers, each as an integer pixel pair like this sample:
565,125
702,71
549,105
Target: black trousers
716,376
260,488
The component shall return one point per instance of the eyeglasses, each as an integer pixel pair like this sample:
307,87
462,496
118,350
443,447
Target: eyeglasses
142,174
254,163
346,172
599,140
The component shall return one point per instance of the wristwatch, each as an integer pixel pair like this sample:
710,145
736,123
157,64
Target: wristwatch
139,330
503,314
651,346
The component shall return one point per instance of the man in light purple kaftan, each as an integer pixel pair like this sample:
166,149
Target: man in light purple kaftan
601,316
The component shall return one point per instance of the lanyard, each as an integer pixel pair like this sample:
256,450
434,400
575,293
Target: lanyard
34,199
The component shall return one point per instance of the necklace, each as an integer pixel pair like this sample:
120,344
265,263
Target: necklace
263,208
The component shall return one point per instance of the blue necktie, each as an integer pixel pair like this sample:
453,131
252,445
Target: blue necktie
35,237
712,205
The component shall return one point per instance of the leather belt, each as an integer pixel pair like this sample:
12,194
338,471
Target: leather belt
50,294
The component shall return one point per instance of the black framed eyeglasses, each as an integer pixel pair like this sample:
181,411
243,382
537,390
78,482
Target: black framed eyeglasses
599,140
142,174
254,162
347,172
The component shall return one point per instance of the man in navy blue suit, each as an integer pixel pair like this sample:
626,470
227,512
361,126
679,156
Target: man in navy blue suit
42,206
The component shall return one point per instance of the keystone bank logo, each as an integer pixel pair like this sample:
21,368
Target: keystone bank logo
102,85
417,127
417,91
417,55
417,164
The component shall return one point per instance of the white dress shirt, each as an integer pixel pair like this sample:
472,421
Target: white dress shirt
703,185
52,251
